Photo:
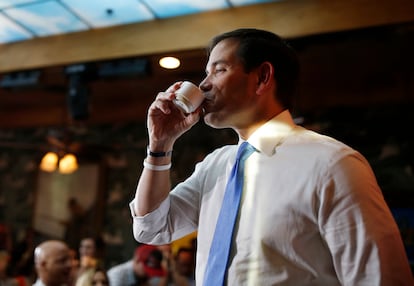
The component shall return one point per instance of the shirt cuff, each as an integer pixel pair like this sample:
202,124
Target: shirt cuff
151,220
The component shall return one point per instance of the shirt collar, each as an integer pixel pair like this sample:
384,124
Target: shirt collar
271,134
38,283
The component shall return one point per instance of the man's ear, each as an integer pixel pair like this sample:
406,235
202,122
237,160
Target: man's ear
265,74
43,264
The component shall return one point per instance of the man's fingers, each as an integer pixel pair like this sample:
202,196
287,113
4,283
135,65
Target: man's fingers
174,87
163,100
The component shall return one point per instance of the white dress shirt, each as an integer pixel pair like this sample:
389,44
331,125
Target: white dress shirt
311,214
38,282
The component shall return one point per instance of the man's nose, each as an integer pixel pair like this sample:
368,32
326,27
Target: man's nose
205,84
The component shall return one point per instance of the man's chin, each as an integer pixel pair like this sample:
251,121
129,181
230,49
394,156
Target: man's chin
211,120
207,119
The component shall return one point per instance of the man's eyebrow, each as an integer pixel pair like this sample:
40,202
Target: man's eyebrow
218,62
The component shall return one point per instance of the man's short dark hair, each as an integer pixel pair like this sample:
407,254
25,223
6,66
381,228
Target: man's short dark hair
258,46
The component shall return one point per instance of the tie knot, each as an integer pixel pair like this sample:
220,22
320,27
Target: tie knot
245,150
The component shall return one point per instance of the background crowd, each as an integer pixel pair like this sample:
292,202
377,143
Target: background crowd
53,262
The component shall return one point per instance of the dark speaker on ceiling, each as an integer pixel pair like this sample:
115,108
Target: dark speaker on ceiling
78,98
78,91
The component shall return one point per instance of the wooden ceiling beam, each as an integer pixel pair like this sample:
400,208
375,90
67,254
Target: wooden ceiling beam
292,18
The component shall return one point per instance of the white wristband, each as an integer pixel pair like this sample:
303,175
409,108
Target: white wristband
156,167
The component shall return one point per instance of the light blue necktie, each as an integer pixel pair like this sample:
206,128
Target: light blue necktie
220,247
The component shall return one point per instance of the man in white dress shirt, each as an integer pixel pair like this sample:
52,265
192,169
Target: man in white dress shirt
312,212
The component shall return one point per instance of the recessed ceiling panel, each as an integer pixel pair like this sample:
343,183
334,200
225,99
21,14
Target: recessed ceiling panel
25,19
173,8
250,2
101,13
46,18
10,3
11,32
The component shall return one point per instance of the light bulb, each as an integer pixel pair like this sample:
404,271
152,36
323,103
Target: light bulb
49,162
68,164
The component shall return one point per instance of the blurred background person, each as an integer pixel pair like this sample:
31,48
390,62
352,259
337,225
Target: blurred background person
6,279
100,278
167,256
144,269
91,252
183,268
75,266
53,263
77,226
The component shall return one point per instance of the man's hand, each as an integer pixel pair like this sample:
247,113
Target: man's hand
166,122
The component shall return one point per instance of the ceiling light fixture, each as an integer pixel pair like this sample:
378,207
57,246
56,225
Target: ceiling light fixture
66,165
169,62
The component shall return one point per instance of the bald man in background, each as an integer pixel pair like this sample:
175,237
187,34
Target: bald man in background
53,263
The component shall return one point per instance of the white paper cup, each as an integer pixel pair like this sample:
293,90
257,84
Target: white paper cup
188,97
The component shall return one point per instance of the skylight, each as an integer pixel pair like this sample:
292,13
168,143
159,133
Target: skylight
27,19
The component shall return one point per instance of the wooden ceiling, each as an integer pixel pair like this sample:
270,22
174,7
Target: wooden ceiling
111,99
352,52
